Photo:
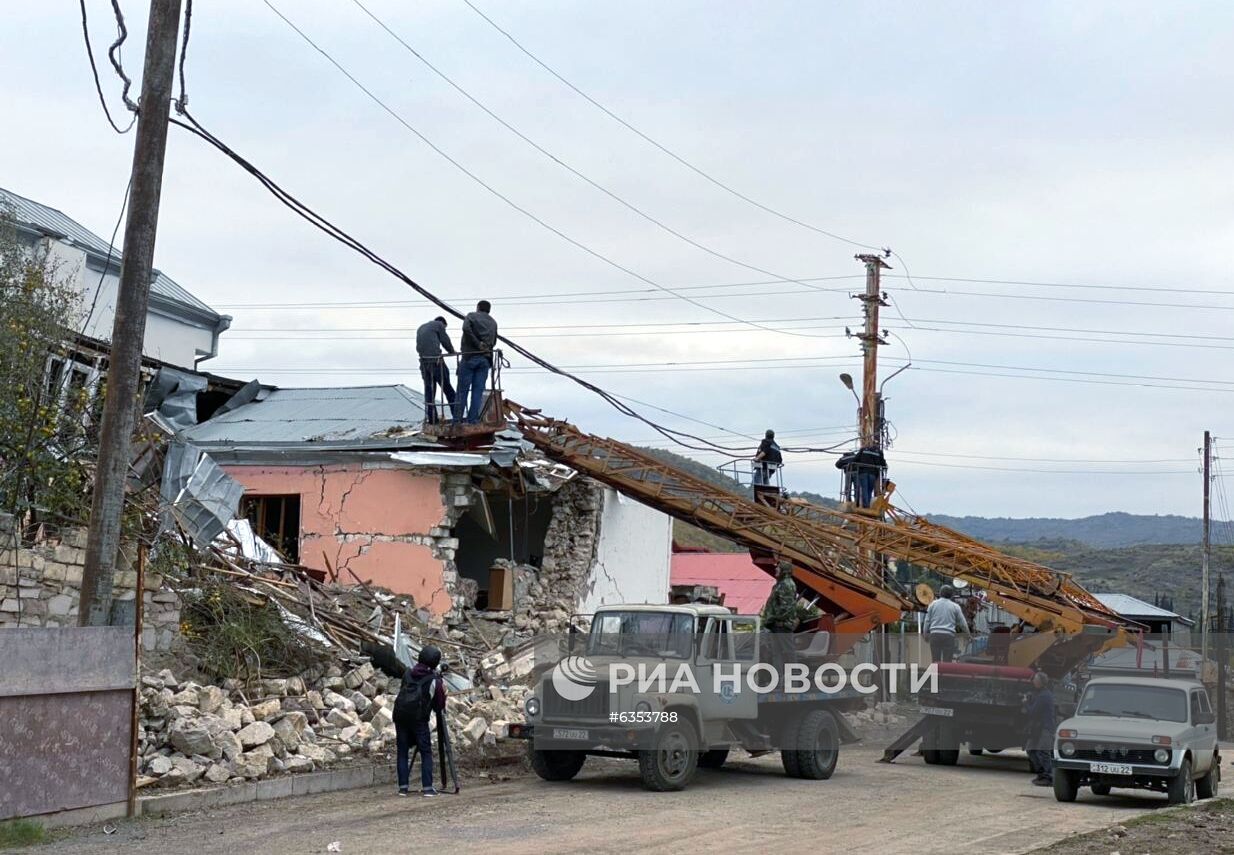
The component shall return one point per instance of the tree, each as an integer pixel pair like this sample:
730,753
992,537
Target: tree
45,417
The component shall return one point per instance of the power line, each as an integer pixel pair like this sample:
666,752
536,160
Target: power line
98,86
566,166
1034,471
497,193
1039,284
695,169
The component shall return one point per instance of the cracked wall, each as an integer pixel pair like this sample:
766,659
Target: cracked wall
388,526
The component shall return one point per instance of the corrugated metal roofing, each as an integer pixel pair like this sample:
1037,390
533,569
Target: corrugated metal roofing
1130,606
348,416
49,219
745,587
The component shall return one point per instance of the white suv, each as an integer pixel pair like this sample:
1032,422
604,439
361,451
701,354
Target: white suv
1141,733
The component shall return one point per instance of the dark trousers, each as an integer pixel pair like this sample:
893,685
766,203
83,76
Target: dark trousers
436,375
1042,762
942,646
472,377
405,733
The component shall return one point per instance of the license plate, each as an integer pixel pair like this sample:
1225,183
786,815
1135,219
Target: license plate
1111,769
946,712
571,733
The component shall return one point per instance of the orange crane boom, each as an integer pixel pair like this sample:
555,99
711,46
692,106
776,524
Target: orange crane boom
832,551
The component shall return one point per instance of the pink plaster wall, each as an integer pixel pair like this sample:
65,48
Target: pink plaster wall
348,514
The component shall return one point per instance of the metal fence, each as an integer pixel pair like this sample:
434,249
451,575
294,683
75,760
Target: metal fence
66,719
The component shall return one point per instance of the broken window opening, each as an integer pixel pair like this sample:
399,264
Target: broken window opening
276,520
498,526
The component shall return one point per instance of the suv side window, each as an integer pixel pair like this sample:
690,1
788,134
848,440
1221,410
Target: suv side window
1204,707
1196,709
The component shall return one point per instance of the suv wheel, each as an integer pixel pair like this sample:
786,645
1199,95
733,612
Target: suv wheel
1181,790
557,765
1066,785
672,762
1206,787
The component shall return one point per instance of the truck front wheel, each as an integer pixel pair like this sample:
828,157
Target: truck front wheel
811,746
672,762
557,765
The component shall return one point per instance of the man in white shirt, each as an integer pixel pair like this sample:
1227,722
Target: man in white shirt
943,619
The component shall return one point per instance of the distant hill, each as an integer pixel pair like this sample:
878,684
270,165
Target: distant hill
1106,531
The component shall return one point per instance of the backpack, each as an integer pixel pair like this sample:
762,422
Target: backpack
414,703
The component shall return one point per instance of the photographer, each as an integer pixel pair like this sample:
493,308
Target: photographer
423,692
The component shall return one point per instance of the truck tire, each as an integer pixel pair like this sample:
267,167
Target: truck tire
557,765
673,761
930,755
713,759
1066,785
947,756
1100,789
1181,789
811,746
1206,787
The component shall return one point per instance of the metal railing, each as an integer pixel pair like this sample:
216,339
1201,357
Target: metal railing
754,473
442,404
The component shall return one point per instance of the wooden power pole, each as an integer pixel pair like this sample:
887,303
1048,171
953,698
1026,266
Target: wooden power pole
872,300
129,330
1206,551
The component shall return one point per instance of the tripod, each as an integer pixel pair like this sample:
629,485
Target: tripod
445,755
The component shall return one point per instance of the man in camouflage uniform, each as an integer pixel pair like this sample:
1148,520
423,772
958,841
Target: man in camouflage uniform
780,614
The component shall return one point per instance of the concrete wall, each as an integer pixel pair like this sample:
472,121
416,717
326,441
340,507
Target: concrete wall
385,525
633,556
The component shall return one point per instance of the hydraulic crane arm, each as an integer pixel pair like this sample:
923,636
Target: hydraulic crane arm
857,595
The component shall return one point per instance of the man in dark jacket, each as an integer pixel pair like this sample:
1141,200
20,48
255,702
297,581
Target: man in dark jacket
1039,709
767,459
431,340
866,468
423,693
476,350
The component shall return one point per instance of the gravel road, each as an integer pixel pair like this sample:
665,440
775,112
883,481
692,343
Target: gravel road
986,805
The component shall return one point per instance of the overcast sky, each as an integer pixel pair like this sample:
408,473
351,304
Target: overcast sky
1044,142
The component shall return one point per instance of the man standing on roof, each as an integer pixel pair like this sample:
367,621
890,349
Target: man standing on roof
476,350
767,459
943,619
431,339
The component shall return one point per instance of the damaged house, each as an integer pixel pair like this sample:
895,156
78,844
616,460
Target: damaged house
341,480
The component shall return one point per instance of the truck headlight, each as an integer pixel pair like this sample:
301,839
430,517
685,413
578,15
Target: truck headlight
643,707
1161,755
1067,749
532,706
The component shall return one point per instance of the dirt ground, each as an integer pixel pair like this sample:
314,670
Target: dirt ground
986,805
1207,829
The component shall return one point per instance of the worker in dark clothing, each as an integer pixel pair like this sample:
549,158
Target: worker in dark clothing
423,692
476,351
866,468
431,340
1039,709
767,459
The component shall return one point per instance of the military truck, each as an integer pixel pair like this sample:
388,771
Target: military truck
593,703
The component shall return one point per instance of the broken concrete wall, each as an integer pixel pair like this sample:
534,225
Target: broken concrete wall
390,526
633,557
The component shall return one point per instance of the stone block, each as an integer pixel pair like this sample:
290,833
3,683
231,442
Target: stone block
60,605
256,734
72,575
66,554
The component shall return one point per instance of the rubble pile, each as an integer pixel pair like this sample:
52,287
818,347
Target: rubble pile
192,733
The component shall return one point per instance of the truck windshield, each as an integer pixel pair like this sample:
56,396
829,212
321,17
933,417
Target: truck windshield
661,634
1129,701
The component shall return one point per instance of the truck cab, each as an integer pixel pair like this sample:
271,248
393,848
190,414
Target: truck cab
643,685
1139,733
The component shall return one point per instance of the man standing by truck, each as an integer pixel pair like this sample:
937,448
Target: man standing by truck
1039,708
943,619
780,613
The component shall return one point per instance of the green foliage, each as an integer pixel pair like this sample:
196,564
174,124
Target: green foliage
20,832
45,441
239,635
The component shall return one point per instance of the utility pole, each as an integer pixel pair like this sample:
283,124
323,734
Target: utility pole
1223,627
1206,550
872,300
129,330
